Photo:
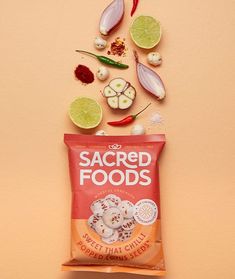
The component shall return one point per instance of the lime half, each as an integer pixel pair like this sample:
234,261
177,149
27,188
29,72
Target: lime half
86,113
146,32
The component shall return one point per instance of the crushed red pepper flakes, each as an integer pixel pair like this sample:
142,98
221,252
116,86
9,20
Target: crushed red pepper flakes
118,47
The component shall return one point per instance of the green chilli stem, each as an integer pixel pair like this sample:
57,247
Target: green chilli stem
86,52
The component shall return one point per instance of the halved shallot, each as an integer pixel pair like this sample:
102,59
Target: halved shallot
111,17
149,79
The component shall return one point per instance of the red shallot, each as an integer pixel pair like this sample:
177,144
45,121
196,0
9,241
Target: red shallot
111,17
149,79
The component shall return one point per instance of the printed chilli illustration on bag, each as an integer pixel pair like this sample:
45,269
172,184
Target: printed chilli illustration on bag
115,204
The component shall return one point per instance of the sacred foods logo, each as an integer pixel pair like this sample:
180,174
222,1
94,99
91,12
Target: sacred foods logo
115,146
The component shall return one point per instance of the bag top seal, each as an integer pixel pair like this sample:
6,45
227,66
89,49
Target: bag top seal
129,139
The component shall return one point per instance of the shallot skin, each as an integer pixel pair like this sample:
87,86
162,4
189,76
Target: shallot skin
111,17
150,80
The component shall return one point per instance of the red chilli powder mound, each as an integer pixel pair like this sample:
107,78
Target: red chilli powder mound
84,74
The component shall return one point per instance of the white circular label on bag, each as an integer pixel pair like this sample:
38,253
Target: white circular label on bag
146,212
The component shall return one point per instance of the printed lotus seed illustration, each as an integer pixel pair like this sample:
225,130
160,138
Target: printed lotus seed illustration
114,219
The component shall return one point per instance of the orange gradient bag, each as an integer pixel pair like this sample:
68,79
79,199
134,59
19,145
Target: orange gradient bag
115,224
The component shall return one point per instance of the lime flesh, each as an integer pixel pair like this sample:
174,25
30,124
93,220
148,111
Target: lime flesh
145,32
86,113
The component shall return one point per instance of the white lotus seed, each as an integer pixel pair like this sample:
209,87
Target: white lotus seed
101,133
102,73
138,129
154,58
100,43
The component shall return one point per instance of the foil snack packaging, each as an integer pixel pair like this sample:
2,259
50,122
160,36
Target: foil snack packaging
115,222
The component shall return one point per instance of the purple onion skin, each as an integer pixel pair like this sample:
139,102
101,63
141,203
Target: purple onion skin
150,80
111,17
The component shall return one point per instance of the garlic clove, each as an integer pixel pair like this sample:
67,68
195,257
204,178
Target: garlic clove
138,129
100,43
124,102
113,102
102,73
130,92
118,84
109,92
111,16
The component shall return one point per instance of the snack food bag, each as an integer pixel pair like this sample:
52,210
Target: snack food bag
115,224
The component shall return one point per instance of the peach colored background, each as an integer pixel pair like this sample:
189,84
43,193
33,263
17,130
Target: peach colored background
38,39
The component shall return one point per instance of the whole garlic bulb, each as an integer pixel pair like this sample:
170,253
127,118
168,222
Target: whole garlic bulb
138,129
154,58
100,43
102,73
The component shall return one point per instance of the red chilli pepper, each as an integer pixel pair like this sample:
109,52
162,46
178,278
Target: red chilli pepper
127,120
134,7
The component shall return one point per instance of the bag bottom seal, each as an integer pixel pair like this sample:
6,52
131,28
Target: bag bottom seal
114,269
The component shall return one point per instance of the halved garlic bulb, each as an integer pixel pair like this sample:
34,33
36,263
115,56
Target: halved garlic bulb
119,93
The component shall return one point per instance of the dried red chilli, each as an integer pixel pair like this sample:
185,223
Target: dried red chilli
84,74
127,120
134,7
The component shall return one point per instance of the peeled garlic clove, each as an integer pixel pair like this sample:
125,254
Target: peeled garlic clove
100,43
102,73
118,84
113,102
101,133
154,58
130,92
138,129
124,102
111,16
109,92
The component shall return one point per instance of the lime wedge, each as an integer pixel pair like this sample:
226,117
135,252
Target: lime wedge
86,113
145,32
